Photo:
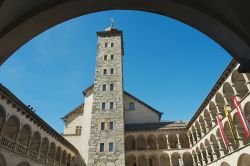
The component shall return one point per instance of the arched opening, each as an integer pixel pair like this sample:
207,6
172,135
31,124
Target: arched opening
247,111
239,83
191,138
64,155
151,142
203,153
2,160
131,160
51,153
176,159
68,160
209,150
162,141
130,143
153,160
199,155
220,103
198,129
195,157
203,124
164,160
11,128
25,135
244,160
142,160
34,145
187,159
240,130
220,141
208,119
224,164
215,145
2,117
229,93
213,111
228,132
58,155
173,142
44,149
141,142
24,163
184,141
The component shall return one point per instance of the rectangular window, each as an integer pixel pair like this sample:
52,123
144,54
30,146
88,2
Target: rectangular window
106,44
112,57
103,106
111,105
111,87
78,130
111,71
104,71
101,147
105,57
111,146
131,106
104,87
103,126
112,44
111,125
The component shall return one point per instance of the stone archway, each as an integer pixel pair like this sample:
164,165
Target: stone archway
244,160
224,21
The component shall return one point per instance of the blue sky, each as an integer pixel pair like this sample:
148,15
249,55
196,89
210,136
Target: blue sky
167,64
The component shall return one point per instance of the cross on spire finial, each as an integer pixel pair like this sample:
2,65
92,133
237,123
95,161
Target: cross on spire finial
112,22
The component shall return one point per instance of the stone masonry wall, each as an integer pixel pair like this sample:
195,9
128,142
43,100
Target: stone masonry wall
115,115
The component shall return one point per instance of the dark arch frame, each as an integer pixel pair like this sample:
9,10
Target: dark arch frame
233,39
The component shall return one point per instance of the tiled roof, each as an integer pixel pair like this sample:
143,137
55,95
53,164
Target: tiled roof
155,126
78,109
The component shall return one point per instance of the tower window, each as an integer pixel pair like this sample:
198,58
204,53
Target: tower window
111,125
112,44
105,57
111,105
104,71
103,106
104,87
103,126
101,147
78,130
111,71
112,57
106,44
131,106
111,146
111,87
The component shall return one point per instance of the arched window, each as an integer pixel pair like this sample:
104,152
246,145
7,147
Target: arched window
11,127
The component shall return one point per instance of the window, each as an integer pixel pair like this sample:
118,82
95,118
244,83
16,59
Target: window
103,126
112,44
101,147
112,57
78,130
106,44
105,57
111,105
111,125
131,106
104,87
111,146
111,71
111,87
103,106
104,71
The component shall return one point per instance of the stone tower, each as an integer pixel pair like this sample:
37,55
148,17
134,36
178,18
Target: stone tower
106,144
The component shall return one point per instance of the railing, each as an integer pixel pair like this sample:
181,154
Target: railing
50,161
21,149
7,143
42,158
33,154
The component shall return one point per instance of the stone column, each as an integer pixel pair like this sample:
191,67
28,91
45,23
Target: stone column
178,141
137,161
220,148
190,141
247,81
226,102
236,93
194,162
171,162
198,136
194,139
206,125
168,145
218,111
199,161
157,143
213,152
